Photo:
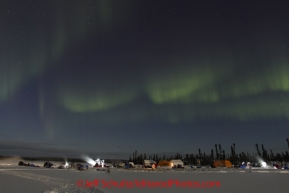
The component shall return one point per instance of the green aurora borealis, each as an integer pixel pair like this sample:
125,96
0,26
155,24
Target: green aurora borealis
97,65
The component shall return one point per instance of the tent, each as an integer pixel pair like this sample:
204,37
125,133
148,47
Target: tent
177,163
223,163
163,163
148,163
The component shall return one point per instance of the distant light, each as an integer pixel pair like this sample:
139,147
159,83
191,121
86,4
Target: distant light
66,164
100,162
263,164
89,160
261,161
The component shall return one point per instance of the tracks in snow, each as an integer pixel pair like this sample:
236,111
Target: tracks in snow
58,185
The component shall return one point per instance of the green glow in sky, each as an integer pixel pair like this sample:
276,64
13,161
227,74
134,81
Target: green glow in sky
269,80
176,92
89,98
36,46
184,86
15,72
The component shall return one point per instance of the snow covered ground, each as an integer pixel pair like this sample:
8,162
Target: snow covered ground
15,179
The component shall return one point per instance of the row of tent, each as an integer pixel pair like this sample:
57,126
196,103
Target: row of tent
173,163
164,163
179,163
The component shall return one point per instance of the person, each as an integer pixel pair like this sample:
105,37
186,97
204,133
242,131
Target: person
108,170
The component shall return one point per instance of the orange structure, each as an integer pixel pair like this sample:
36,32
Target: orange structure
223,163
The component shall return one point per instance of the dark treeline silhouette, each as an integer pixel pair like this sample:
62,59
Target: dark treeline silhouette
235,157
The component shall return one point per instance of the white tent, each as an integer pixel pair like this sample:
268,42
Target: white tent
176,162
148,162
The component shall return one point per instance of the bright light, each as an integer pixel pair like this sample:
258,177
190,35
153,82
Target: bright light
100,162
263,164
261,161
66,164
89,160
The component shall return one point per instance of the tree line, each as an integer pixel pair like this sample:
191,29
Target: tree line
217,153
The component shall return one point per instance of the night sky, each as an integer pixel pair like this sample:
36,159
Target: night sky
106,77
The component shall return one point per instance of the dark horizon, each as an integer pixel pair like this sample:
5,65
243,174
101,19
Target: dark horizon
218,151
